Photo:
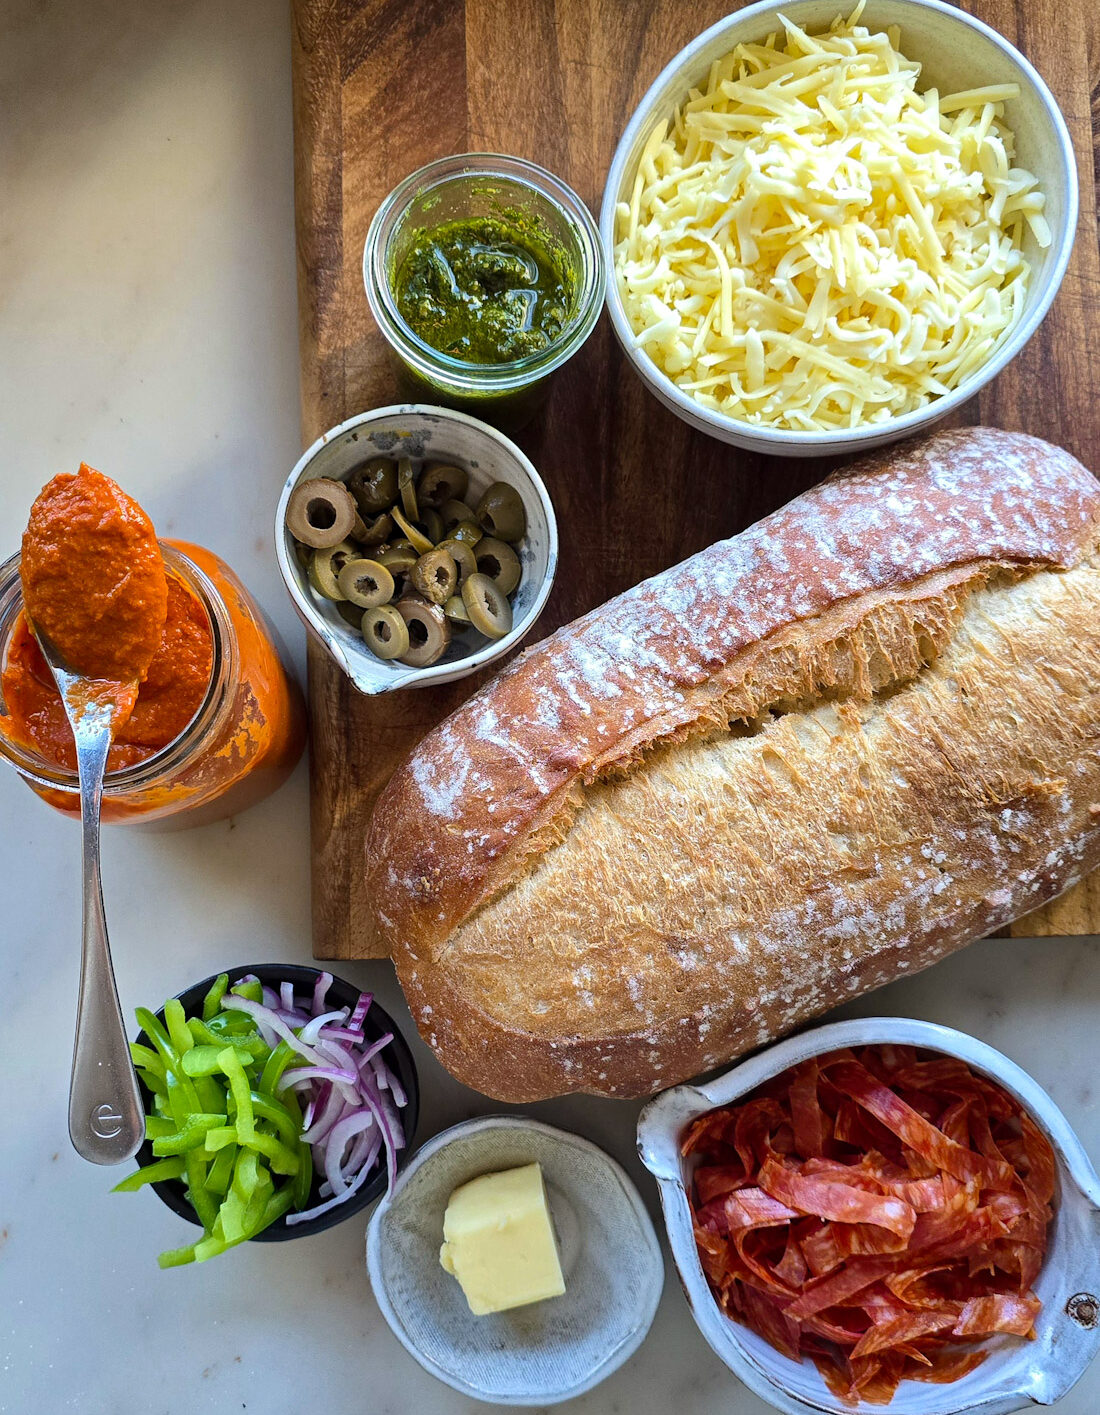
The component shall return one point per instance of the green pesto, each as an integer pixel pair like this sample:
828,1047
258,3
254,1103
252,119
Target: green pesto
485,290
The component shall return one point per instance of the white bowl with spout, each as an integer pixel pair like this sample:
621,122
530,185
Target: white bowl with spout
1017,1374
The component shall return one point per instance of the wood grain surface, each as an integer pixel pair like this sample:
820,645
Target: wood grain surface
383,86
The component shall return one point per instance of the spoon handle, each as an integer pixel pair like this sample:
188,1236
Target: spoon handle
106,1117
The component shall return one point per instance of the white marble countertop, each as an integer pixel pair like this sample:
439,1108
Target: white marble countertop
148,325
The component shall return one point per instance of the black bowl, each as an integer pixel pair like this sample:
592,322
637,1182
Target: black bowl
398,1056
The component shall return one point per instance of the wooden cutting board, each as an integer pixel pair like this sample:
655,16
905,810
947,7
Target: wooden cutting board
383,86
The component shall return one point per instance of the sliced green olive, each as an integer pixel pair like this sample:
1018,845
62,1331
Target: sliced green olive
462,553
432,522
406,485
374,485
454,513
325,566
398,559
377,529
435,576
366,583
303,555
350,613
488,609
417,539
429,631
442,481
500,562
320,513
385,632
455,610
501,512
468,531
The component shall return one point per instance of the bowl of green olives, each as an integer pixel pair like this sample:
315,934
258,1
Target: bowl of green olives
417,543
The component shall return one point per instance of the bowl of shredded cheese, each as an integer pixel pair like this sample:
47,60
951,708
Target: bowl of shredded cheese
826,229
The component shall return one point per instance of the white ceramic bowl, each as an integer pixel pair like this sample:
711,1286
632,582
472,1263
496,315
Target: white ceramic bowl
418,431
546,1352
957,52
1017,1374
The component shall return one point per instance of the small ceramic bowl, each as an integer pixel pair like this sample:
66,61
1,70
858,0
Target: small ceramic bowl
1016,1374
418,431
398,1056
546,1352
956,52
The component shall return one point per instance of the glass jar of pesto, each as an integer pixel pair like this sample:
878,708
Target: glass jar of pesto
484,274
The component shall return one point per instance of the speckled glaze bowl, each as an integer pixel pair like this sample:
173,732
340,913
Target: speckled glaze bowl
419,431
546,1352
1017,1374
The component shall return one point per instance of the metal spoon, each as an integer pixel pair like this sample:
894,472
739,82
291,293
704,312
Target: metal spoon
106,1116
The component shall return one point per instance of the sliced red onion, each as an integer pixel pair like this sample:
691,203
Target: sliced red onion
352,1095
390,1110
320,992
352,1189
337,1142
357,1157
325,1115
393,1144
388,1080
264,1016
299,1075
337,1054
373,1050
341,1034
311,1031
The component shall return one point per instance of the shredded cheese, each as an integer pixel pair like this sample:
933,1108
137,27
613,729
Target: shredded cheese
811,243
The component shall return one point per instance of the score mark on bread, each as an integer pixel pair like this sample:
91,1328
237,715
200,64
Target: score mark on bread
808,760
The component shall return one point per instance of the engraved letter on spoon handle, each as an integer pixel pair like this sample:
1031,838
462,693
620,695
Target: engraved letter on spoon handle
106,1118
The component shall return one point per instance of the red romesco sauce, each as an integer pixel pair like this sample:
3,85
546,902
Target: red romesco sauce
177,643
174,687
94,581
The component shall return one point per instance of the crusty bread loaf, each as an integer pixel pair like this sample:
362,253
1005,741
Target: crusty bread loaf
808,760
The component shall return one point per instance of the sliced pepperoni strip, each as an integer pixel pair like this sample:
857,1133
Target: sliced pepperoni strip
882,1213
912,1128
1001,1311
792,1268
950,1366
834,1199
807,1118
1039,1181
838,1287
756,1123
745,1209
768,1319
831,1245
712,1181
898,1330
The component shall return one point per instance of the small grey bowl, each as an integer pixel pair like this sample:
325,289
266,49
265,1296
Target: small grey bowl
418,431
548,1351
956,52
1017,1374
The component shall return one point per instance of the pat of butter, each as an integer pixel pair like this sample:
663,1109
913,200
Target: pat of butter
499,1241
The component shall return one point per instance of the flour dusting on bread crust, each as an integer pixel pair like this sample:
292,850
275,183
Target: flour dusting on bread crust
793,767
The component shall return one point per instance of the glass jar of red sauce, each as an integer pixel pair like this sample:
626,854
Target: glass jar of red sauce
242,741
